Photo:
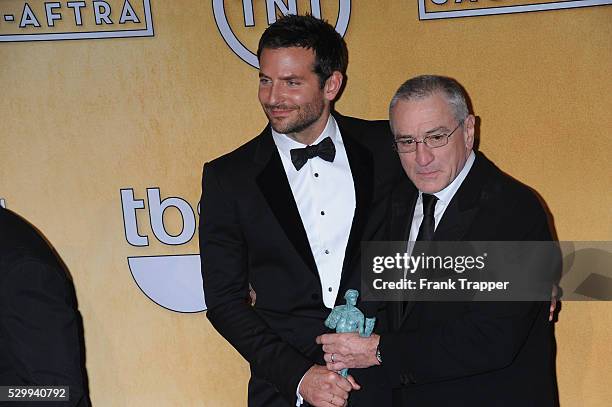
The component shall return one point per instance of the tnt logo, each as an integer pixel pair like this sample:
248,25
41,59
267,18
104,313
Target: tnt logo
242,22
172,281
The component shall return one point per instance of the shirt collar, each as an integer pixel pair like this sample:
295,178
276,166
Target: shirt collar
285,143
447,193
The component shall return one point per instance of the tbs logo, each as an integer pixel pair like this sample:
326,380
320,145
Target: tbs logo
242,22
172,281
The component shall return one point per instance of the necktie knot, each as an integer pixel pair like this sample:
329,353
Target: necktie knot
312,151
429,203
325,149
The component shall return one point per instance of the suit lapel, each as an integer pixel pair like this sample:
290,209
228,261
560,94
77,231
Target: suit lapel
455,223
462,209
402,209
403,201
273,183
362,170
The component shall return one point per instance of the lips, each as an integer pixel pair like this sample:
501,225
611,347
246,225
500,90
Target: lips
279,111
428,174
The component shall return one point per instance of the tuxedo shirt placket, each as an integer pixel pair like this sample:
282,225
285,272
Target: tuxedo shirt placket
325,196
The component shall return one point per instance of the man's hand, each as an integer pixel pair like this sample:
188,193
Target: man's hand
349,350
323,388
252,296
553,302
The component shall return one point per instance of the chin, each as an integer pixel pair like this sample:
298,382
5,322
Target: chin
279,128
282,126
428,188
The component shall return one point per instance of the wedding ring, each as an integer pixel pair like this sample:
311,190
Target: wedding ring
332,360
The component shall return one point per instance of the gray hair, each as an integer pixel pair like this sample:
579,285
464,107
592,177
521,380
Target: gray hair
426,85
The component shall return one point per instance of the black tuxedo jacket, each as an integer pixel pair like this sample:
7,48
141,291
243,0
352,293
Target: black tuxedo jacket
251,232
41,342
472,353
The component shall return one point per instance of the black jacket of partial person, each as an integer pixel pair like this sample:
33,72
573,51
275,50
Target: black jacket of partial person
41,339
472,353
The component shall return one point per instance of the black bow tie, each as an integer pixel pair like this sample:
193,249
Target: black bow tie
325,149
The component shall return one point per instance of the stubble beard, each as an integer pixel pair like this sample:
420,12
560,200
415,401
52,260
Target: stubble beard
308,114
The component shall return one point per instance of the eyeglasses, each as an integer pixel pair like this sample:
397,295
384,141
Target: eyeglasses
409,144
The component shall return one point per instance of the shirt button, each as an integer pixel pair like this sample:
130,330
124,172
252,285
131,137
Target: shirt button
326,251
322,213
316,174
330,289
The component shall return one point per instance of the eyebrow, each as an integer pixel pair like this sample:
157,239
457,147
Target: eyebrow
428,132
282,78
437,130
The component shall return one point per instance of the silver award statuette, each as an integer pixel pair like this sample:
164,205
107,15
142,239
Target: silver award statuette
348,318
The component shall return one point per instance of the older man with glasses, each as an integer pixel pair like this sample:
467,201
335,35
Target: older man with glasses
460,353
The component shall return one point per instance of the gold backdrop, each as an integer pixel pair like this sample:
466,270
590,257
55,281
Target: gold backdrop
83,119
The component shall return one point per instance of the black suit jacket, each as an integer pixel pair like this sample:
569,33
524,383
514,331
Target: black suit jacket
251,232
472,353
41,341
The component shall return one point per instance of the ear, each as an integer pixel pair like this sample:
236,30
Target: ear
468,131
332,86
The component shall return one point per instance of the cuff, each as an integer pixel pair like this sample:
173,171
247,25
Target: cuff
300,399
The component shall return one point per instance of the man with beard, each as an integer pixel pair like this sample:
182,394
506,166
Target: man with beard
286,212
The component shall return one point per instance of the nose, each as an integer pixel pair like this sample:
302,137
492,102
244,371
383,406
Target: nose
274,95
268,93
424,155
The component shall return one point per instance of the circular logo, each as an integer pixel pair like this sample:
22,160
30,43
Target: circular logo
290,6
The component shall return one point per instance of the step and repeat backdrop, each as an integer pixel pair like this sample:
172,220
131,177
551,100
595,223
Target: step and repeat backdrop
110,108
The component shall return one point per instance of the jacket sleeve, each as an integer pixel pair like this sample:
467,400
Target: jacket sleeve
224,259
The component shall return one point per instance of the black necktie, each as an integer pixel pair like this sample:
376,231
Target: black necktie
325,149
426,231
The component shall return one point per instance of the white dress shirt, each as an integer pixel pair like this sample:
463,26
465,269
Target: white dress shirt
325,196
